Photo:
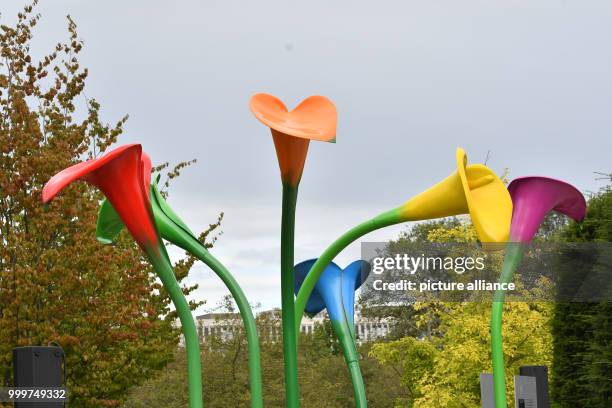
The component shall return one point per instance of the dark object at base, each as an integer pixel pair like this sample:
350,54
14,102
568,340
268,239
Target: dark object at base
38,367
541,375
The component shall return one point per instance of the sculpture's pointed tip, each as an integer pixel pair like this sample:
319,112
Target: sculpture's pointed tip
48,194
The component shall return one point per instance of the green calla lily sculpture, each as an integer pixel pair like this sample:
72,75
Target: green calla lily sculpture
172,229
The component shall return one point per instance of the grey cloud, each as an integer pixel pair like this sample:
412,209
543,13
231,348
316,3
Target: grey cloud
528,81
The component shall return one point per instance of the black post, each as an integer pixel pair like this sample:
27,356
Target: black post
38,367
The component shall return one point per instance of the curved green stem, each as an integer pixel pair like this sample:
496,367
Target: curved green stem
343,331
382,220
514,254
351,357
246,313
163,267
292,387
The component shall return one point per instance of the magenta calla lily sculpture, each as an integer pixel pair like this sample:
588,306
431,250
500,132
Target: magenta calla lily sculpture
335,292
532,199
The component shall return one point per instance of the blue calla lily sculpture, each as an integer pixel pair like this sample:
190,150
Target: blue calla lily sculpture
335,292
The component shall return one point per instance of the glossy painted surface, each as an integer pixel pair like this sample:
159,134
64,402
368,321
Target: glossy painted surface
472,189
308,285
120,176
290,332
123,176
533,197
170,226
315,118
353,277
536,196
291,153
335,289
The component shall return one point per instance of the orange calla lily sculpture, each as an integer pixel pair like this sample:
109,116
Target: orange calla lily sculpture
314,118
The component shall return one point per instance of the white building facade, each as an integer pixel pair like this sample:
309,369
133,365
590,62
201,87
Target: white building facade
224,325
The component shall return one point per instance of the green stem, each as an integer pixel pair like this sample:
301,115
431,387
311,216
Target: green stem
351,357
382,220
292,387
247,317
163,267
343,331
514,254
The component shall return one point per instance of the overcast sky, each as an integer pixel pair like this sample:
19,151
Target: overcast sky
528,81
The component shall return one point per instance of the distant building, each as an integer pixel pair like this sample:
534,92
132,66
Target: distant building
224,325
368,329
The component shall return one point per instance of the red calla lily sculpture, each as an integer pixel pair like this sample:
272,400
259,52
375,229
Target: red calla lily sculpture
122,175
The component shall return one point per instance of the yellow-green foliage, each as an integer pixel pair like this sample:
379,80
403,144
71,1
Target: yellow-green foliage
459,233
443,369
464,350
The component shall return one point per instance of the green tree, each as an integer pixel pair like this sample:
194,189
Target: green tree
582,332
324,380
411,359
102,304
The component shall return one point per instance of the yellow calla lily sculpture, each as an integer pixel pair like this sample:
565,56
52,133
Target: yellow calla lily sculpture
472,189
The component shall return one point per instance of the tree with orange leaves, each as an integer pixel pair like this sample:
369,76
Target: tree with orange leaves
102,304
